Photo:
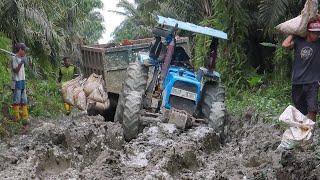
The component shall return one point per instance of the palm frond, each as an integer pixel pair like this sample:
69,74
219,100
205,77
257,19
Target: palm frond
129,8
118,12
272,12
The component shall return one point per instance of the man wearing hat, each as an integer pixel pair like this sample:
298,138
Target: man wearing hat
18,83
306,69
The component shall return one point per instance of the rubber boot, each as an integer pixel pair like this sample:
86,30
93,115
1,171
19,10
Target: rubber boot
66,109
16,112
25,114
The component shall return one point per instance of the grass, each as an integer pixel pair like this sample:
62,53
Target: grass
269,100
44,100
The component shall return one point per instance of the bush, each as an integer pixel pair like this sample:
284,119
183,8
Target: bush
44,99
269,100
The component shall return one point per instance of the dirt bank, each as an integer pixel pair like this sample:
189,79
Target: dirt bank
83,147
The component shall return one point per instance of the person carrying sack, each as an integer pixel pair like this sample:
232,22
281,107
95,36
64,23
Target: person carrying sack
18,83
67,72
306,74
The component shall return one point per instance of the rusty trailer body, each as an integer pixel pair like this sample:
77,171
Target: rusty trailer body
112,62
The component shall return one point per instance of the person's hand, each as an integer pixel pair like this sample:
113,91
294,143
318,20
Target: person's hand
23,60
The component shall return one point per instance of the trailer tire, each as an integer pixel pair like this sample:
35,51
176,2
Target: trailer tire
212,105
131,115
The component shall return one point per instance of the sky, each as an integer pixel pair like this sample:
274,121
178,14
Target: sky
112,20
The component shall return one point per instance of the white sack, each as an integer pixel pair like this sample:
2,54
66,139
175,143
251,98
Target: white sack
299,130
81,101
68,89
99,94
92,83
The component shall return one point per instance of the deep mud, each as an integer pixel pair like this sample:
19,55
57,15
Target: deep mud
87,147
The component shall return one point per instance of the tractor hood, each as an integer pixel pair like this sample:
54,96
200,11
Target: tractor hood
191,27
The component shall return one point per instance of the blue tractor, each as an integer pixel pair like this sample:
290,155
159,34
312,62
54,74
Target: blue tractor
162,84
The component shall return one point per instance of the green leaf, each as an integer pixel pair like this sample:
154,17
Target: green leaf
269,44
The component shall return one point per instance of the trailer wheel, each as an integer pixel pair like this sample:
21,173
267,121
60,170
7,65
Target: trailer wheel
212,105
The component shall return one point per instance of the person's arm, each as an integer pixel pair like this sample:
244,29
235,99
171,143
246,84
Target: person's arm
16,66
288,42
17,69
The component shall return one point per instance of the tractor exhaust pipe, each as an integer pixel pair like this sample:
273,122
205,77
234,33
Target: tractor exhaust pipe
167,60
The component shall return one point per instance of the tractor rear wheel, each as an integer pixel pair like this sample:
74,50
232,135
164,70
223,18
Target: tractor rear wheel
137,77
131,98
131,115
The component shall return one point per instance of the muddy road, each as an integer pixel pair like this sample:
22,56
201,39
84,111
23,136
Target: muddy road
87,147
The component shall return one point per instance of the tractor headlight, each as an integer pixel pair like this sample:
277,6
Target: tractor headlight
184,94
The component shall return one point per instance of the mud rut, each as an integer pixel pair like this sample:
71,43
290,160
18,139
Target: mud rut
87,147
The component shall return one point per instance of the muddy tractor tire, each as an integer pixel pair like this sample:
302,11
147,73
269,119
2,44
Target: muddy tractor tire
131,115
212,105
137,77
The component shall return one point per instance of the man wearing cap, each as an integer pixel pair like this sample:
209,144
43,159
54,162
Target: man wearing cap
306,69
18,83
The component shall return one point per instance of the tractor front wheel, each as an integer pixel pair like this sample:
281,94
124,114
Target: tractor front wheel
212,105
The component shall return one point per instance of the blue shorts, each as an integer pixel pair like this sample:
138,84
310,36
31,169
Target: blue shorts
19,96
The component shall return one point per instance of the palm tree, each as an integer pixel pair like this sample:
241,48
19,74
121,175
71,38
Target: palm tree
51,32
273,12
93,28
138,22
27,21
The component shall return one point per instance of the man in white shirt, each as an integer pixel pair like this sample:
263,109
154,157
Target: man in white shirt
19,83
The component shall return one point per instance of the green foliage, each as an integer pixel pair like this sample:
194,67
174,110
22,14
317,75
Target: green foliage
254,81
273,12
6,126
52,32
233,17
203,43
283,59
270,100
44,99
138,23
5,77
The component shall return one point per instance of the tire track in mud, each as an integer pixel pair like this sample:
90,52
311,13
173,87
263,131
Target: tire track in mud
87,147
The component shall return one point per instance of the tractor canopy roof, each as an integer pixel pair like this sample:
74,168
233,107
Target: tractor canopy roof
191,27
